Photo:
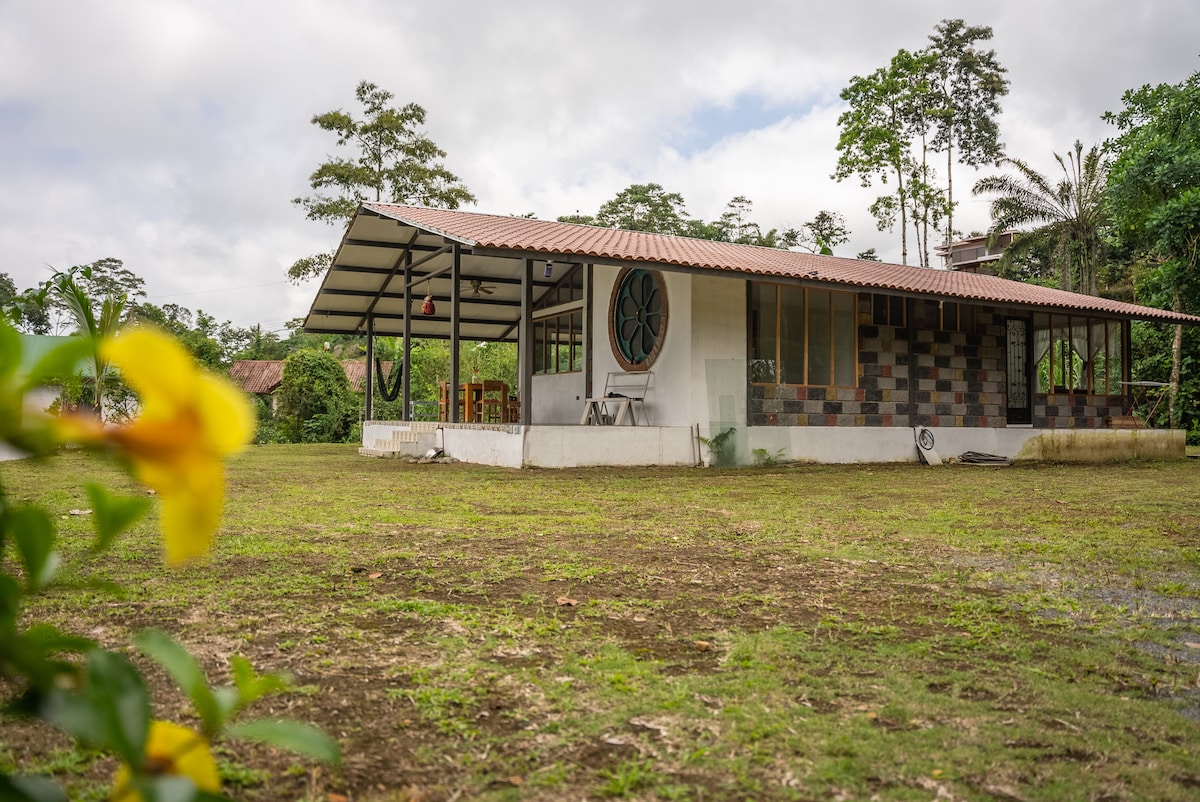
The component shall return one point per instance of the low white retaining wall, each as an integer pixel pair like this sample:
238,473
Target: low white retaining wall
514,446
861,444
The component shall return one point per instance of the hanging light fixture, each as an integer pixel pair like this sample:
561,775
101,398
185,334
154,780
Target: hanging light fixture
427,305
549,272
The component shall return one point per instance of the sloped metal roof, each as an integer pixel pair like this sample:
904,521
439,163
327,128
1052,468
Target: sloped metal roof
363,277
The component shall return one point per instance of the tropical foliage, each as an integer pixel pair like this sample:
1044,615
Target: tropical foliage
1154,200
392,160
315,403
1068,216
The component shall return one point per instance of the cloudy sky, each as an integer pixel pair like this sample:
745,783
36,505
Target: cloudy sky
172,134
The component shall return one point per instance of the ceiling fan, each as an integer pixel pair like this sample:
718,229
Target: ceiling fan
477,288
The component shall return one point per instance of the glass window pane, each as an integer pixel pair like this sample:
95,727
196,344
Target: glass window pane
576,341
950,316
762,333
1041,351
1116,358
562,342
1079,349
539,347
896,310
845,339
791,335
1060,353
1098,356
820,340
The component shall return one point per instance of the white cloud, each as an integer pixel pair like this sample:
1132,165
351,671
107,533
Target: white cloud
173,134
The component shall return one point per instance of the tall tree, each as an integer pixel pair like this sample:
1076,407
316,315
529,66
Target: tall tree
644,207
969,83
876,137
1154,193
24,310
109,276
822,234
735,223
393,161
1069,214
8,290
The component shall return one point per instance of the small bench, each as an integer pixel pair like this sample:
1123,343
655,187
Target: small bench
1124,422
624,395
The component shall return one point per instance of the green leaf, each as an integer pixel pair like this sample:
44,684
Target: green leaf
60,362
30,789
113,514
252,686
39,654
10,350
228,700
294,736
111,711
10,601
183,668
34,535
52,639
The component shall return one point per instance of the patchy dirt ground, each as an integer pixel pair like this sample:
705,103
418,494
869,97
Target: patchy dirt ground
482,655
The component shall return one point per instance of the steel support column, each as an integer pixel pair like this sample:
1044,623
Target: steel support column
406,375
452,390
525,345
370,409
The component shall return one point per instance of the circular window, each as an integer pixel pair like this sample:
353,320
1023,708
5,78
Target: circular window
637,321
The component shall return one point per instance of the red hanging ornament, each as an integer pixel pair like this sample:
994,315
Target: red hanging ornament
427,307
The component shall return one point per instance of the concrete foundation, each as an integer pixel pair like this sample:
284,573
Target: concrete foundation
578,446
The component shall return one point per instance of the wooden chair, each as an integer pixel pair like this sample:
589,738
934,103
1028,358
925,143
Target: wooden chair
490,406
512,410
444,402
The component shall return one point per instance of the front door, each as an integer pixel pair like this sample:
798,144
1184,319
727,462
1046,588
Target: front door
1018,384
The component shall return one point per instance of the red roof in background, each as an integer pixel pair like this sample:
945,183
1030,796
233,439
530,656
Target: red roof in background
263,376
257,376
540,236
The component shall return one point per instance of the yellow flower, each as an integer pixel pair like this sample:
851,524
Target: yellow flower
190,421
175,751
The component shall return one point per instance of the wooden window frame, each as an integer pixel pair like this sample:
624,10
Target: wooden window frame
833,361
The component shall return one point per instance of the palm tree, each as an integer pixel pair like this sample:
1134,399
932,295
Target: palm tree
64,289
1071,214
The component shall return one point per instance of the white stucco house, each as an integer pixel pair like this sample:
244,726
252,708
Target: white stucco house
802,356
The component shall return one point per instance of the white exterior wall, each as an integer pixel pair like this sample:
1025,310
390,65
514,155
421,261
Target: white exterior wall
700,372
718,365
557,398
579,446
668,402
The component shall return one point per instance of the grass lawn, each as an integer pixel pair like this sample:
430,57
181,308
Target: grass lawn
811,632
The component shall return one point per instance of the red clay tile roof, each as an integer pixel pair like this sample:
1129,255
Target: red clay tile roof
541,236
263,376
257,376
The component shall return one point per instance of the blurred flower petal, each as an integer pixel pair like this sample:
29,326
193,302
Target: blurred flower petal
171,750
189,421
